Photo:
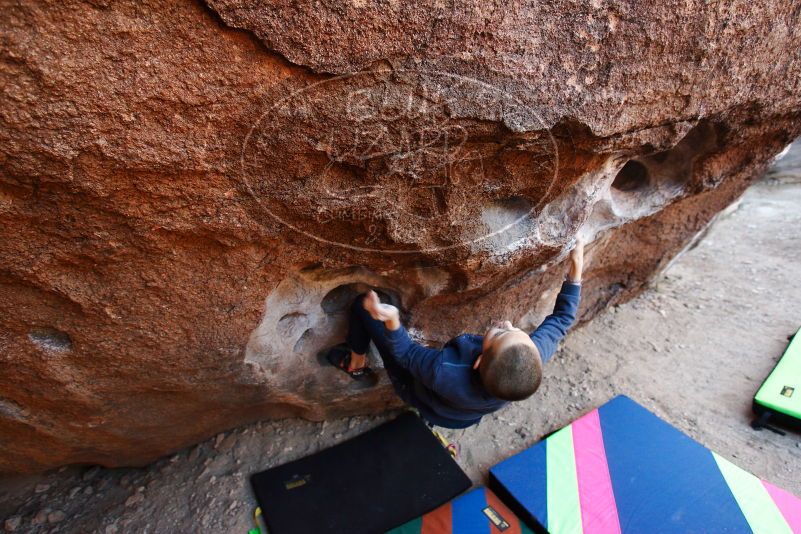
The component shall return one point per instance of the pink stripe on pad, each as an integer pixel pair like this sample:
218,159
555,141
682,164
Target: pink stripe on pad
788,504
597,499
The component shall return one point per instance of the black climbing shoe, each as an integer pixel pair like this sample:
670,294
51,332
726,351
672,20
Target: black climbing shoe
339,357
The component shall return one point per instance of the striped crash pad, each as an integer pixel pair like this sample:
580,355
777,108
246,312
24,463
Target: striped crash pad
478,511
622,469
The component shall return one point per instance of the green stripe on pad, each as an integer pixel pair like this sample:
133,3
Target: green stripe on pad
564,511
412,527
760,511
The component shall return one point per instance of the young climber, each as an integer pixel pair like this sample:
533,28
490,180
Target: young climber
471,375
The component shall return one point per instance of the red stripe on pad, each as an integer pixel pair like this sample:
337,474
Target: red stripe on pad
438,521
788,504
597,499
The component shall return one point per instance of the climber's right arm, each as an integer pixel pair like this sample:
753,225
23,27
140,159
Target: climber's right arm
422,362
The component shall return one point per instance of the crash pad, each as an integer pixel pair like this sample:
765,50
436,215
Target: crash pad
779,397
620,468
477,511
370,483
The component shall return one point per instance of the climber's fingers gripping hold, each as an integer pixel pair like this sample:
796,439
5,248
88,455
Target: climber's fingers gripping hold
576,261
378,310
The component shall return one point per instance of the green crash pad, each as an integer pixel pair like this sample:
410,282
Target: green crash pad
779,397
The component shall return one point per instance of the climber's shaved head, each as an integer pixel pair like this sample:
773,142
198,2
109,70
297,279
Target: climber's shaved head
510,365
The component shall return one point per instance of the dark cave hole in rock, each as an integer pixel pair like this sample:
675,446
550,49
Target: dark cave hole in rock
291,323
311,267
632,177
651,181
50,339
339,299
660,157
303,340
518,205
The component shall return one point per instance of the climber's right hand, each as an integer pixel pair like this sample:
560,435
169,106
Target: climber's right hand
386,313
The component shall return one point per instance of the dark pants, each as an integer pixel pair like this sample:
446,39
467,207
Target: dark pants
362,329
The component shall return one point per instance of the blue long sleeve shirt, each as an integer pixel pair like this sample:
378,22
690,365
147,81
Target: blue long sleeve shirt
447,389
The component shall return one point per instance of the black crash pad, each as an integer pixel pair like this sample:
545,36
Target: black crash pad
371,483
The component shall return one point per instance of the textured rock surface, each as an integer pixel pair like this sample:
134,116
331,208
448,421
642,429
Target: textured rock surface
187,207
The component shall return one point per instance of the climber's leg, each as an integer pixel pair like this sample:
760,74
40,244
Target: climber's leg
362,329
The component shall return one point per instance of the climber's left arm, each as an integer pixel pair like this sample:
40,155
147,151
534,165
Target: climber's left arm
554,328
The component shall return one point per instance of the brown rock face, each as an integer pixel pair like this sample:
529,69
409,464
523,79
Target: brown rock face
191,194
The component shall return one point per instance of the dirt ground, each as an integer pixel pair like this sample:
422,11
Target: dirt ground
693,349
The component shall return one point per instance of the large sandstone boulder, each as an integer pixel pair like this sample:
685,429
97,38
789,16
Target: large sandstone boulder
191,194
